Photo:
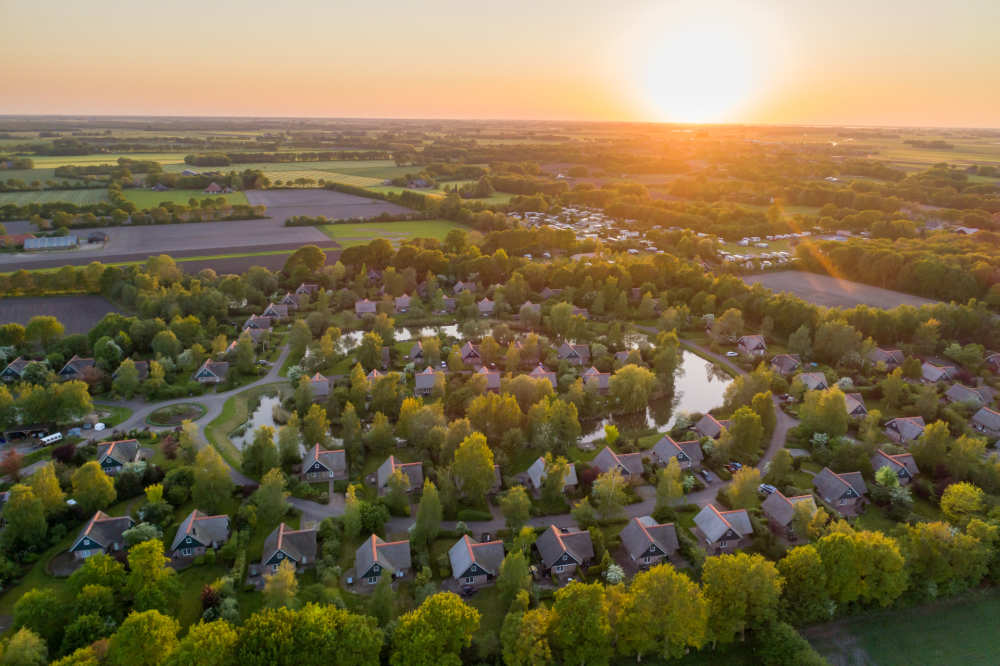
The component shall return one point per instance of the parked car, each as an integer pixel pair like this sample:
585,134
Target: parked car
705,474
732,354
733,466
767,489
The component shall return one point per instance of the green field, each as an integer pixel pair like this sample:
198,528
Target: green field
960,633
150,199
359,234
79,197
33,175
52,161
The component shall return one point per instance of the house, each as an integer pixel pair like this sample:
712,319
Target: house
424,382
786,364
492,379
213,188
256,334
258,322
993,361
854,403
403,303
647,542
15,369
709,426
536,475
485,307
540,372
141,368
596,380
450,304
987,422
892,358
528,306
101,534
931,374
629,464
414,471
563,549
474,563
199,532
76,367
780,510
319,386
323,465
470,354
364,307
416,352
905,428
629,356
961,393
277,311
212,372
901,463
723,530
688,454
464,286
290,301
15,240
548,293
306,289
813,381
752,346
284,543
574,354
579,312
375,557
113,456
844,492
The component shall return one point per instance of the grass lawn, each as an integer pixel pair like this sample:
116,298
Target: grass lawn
492,609
190,583
144,199
78,197
113,414
235,412
362,233
875,520
952,632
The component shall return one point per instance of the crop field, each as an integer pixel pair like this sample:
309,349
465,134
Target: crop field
832,292
959,633
282,204
79,197
32,175
358,234
52,161
150,199
78,314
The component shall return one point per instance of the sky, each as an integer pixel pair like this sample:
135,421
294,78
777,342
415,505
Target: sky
853,62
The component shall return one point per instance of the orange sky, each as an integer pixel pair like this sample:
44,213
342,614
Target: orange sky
776,61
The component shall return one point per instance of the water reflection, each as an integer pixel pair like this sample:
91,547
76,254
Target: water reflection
351,339
262,416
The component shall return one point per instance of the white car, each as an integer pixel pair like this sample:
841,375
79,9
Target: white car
731,354
99,426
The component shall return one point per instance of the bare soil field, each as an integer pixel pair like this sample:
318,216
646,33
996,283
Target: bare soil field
78,314
283,204
833,292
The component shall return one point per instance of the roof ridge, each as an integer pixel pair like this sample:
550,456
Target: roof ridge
721,516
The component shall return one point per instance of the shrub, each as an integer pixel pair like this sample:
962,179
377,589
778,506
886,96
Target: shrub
474,515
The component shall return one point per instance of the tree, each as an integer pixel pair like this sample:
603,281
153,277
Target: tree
144,639
92,488
429,515
352,512
303,394
584,514
669,485
581,630
41,611
316,427
665,613
631,386
763,405
155,379
383,602
369,353
742,492
126,381
98,570
43,330
46,488
299,337
213,484
281,586
473,467
931,448
290,443
800,342
397,492
835,340
25,648
261,455
515,576
166,344
516,507
779,472
804,595
525,634
150,580
609,494
435,633
960,502
742,591
943,560
207,643
744,437
862,566
893,388
728,326
270,498
824,411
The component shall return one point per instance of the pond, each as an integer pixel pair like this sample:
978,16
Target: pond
262,416
351,339
699,387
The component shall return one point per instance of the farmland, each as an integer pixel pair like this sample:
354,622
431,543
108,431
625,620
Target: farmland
52,161
832,292
357,234
149,199
78,197
283,204
78,314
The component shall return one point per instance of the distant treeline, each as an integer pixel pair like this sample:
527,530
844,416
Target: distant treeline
936,144
226,159
114,170
307,221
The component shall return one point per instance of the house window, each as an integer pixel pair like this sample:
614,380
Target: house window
559,568
371,580
186,552
646,559
469,580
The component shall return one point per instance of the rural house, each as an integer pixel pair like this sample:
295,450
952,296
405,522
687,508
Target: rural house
258,322
540,372
76,367
688,453
931,374
905,428
752,346
470,354
629,464
474,563
993,361
987,422
892,358
319,386
844,492
199,532
275,311
306,289
724,531
113,456
961,393
596,380
414,471
416,352
464,286
785,364
492,379
423,382
364,307
549,292
813,381
323,465
213,188
485,307
375,557
212,372
563,549
101,534
536,475
901,463
296,546
854,404
709,426
528,306
574,354
403,303
141,368
289,301
780,510
647,542
374,376
15,369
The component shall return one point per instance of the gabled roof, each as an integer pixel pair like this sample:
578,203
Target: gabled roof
297,545
709,426
470,350
204,529
908,427
935,373
643,532
403,301
814,381
319,385
781,509
963,393
556,541
887,356
667,448
333,460
487,556
141,368
536,473
899,461
714,524
752,342
279,310
854,402
17,366
307,288
416,351
213,368
630,464
289,300
364,306
540,372
485,305
786,363
492,378
102,531
122,451
573,352
76,365
257,321
987,418
390,555
833,486
425,379
414,470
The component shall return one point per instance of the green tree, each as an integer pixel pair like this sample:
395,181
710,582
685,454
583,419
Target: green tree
893,388
631,386
960,502
525,634
25,648
151,580
742,591
779,472
271,498
943,560
744,437
473,466
435,633
515,576
126,382
800,342
43,330
383,602
369,353
213,485
46,488
166,344
516,507
665,613
763,405
92,488
144,639
261,455
290,443
206,643
862,566
609,494
397,492
742,491
98,570
824,411
931,448
316,427
281,586
581,631
429,515
669,485
41,611
835,341
804,595
299,338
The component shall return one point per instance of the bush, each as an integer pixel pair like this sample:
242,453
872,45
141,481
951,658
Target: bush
474,515
210,557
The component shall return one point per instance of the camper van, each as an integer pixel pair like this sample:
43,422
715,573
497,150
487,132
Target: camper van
52,439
